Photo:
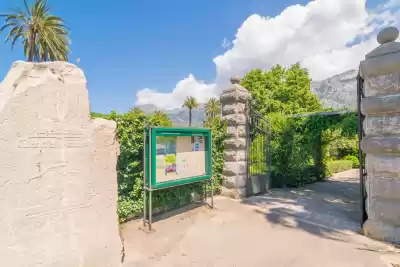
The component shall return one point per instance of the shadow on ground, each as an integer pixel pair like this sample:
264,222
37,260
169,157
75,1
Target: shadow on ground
327,209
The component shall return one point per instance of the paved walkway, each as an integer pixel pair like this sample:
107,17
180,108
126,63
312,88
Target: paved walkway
312,226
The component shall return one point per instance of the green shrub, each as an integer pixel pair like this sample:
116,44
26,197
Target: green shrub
356,162
337,166
130,129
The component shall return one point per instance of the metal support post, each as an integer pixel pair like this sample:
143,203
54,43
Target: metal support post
212,193
144,178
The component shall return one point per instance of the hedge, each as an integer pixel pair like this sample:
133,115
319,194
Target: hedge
130,128
354,159
301,147
337,166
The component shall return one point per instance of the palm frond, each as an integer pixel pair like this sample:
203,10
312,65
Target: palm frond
213,107
191,103
43,35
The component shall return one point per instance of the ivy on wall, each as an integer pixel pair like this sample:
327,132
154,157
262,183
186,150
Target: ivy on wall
130,130
302,147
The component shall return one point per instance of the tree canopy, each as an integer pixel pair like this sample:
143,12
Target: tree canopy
281,90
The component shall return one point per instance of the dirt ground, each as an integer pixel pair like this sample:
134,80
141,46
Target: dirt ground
316,225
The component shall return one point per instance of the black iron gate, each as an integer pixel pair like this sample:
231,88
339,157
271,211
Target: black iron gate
361,155
258,152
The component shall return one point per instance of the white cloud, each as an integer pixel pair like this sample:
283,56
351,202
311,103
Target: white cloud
316,35
186,87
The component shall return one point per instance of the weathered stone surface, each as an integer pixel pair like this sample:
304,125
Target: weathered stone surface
382,65
235,119
384,187
235,94
234,108
385,49
382,125
382,231
387,84
235,155
388,46
234,168
381,144
58,184
237,131
387,35
234,101
236,181
383,166
387,105
235,143
229,109
230,155
231,131
235,80
384,210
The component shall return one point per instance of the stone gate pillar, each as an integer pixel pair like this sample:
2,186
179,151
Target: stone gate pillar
233,101
381,106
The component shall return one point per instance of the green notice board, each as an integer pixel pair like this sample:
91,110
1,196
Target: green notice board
177,156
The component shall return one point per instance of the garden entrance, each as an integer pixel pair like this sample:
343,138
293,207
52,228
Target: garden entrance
258,152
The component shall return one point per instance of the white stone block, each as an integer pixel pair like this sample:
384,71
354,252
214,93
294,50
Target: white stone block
58,180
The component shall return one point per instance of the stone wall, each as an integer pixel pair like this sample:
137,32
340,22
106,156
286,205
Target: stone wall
233,101
58,182
381,73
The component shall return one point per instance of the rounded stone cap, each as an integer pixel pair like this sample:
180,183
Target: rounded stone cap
235,80
388,35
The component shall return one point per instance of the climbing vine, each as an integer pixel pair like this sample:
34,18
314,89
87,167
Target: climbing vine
302,147
130,128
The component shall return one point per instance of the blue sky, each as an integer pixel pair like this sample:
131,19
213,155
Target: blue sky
128,45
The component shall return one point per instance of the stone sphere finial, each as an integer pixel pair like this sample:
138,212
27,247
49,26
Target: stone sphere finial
388,35
235,80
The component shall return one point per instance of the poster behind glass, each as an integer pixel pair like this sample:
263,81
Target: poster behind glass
180,157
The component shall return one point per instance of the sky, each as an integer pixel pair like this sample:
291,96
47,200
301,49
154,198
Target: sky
137,52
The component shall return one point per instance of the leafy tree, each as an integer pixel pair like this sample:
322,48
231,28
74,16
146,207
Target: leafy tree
281,90
212,108
190,103
43,35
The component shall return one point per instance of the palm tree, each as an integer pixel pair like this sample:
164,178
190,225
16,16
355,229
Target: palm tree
190,103
135,110
161,117
212,107
44,36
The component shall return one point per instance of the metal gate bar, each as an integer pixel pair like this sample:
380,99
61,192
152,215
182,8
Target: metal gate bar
361,155
258,152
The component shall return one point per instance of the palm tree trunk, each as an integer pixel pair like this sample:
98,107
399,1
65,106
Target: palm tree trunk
190,117
31,46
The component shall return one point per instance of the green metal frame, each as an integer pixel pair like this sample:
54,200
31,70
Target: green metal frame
159,131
